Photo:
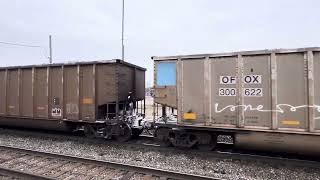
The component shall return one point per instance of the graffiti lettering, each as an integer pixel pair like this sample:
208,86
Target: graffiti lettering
279,108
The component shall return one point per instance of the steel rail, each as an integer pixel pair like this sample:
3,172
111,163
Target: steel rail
269,158
225,150
131,168
22,174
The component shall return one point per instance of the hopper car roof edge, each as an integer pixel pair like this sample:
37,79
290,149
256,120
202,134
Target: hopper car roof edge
113,61
244,53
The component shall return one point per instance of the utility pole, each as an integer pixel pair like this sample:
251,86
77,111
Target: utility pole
122,38
50,49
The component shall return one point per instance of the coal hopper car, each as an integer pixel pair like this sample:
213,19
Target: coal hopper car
265,99
102,98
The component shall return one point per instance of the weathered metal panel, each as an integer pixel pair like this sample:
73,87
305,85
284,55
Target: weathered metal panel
71,92
126,78
223,90
240,90
255,83
26,97
41,93
179,89
87,89
13,93
166,96
316,76
193,89
274,97
310,91
3,87
140,84
56,93
106,84
131,80
207,91
257,90
292,90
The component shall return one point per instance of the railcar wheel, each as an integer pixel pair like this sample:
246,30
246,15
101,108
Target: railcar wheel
136,132
124,133
165,142
89,131
162,135
211,145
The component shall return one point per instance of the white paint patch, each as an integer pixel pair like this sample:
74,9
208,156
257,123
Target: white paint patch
228,80
252,92
227,91
252,79
248,79
56,112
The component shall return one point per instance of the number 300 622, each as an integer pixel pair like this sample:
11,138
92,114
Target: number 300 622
249,92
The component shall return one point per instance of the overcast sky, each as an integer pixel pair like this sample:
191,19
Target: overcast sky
85,30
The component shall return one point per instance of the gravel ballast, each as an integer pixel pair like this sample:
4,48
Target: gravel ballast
184,161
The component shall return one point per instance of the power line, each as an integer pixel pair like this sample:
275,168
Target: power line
18,44
26,45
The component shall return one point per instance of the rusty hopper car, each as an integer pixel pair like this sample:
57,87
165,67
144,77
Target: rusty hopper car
266,99
89,96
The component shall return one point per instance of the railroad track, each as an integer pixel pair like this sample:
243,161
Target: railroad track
29,164
225,150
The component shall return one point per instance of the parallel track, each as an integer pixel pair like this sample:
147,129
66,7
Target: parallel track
29,164
225,150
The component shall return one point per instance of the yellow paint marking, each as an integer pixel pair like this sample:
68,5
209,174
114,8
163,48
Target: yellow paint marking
87,101
190,116
290,122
